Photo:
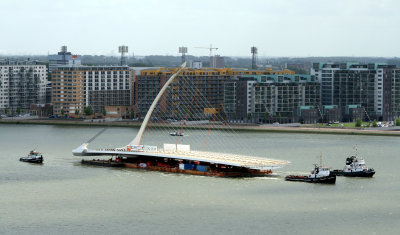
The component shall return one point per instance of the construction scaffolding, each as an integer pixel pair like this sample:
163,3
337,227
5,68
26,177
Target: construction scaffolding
21,84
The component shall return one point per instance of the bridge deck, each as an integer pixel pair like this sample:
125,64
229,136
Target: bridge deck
209,157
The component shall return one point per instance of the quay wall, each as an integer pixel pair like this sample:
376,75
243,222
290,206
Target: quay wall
235,127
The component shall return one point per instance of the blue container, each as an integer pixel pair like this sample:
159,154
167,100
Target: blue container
201,168
189,166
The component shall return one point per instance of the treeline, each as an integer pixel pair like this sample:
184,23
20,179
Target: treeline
234,62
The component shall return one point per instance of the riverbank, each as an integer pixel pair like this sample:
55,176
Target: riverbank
305,129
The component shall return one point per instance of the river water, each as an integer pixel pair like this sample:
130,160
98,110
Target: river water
63,197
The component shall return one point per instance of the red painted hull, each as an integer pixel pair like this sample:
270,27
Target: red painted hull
217,173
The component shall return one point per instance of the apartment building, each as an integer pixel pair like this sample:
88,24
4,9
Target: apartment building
269,98
67,91
202,90
21,84
371,87
75,88
197,89
388,97
206,84
108,86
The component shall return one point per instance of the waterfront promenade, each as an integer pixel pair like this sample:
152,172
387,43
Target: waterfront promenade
308,129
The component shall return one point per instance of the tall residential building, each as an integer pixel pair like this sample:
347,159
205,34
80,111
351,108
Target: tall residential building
324,74
63,59
75,88
67,88
390,95
205,86
21,84
367,86
238,96
108,86
269,98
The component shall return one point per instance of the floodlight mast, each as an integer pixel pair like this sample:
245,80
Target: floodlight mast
123,50
254,51
183,51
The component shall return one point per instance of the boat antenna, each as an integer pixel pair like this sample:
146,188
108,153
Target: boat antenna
320,159
355,148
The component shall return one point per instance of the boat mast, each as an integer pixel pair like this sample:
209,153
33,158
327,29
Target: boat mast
139,135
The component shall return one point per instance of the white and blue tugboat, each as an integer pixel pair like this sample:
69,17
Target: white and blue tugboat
355,167
33,157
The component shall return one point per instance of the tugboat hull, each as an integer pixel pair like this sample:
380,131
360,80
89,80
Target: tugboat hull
36,160
368,173
323,180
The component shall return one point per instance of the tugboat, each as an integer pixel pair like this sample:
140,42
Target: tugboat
33,157
355,167
318,175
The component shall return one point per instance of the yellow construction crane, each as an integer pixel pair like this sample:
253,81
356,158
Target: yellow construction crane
210,48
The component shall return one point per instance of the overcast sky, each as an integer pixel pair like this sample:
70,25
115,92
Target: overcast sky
158,27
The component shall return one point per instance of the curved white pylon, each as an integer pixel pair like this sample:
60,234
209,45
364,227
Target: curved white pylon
139,135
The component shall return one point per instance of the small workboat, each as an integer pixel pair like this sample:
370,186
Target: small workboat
176,133
355,167
318,175
33,157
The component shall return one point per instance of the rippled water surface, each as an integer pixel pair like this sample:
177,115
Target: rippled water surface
63,197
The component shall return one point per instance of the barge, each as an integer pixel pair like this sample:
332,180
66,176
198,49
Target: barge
176,165
188,162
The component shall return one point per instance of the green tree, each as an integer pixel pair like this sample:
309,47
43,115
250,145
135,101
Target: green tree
77,112
397,123
48,111
88,111
132,114
185,111
163,115
6,111
374,123
249,116
62,112
358,122
18,111
104,112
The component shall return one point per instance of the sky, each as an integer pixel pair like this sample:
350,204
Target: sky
278,28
